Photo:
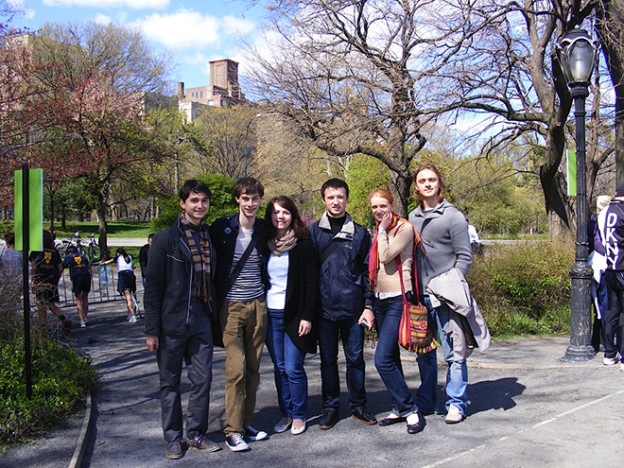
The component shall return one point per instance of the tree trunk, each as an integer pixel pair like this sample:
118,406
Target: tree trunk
610,30
400,187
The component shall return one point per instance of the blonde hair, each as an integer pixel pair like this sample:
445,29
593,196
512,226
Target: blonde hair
382,193
602,201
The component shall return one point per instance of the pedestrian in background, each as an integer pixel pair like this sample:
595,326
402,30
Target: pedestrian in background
143,254
126,280
80,275
47,269
611,225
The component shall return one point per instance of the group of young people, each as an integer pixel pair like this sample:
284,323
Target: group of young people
245,280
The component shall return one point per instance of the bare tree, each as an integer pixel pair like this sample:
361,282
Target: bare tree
352,77
510,77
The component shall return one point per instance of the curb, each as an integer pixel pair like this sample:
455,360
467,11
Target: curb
83,438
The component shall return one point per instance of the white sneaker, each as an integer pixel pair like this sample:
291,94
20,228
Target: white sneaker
85,321
133,319
254,434
128,317
453,416
83,324
236,443
609,361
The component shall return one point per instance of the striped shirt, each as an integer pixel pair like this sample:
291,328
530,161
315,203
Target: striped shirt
248,286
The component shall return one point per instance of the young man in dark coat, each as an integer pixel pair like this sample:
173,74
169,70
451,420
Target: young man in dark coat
178,319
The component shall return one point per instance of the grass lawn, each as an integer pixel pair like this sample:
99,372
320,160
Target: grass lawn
132,229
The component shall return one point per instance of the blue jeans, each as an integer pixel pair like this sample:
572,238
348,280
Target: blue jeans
387,357
457,374
291,381
353,344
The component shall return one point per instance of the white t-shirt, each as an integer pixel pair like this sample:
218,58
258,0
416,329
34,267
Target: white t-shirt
277,269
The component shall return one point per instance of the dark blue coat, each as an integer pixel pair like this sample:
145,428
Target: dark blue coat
343,276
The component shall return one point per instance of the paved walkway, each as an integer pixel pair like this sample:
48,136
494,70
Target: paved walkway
527,409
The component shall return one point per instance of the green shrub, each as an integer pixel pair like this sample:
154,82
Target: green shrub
60,379
524,288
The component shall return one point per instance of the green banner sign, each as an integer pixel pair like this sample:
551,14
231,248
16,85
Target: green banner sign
571,173
35,209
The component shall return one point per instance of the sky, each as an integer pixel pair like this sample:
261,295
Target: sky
195,31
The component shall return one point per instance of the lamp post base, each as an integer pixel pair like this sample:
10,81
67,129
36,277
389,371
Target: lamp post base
576,353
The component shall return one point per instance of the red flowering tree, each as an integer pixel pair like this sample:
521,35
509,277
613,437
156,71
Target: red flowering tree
82,106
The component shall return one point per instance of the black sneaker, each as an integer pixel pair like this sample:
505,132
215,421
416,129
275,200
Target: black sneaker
254,434
174,450
328,419
362,415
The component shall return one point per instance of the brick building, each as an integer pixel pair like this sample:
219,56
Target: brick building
223,90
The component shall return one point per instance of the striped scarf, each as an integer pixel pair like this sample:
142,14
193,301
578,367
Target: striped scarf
201,258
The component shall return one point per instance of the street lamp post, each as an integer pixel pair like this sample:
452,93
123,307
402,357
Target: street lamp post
577,52
245,148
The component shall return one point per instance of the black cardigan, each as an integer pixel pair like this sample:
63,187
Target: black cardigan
302,295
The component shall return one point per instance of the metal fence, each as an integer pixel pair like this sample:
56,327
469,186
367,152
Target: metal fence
103,286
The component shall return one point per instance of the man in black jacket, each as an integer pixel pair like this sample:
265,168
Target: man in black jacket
178,319
342,247
241,247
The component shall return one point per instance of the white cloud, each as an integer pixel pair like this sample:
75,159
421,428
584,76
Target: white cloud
184,29
136,4
237,26
18,6
102,19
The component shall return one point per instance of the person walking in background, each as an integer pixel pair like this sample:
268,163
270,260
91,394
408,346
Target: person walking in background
80,275
598,262
241,284
393,248
342,248
126,280
611,225
179,316
446,245
47,269
291,302
143,253
10,281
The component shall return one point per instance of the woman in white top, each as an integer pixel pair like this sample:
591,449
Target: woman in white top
126,280
291,302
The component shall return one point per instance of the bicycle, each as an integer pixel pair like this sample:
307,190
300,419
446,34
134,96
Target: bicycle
89,247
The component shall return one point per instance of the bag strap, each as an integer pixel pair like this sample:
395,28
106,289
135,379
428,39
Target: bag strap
241,263
333,245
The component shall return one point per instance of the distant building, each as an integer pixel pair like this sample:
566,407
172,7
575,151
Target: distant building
223,90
